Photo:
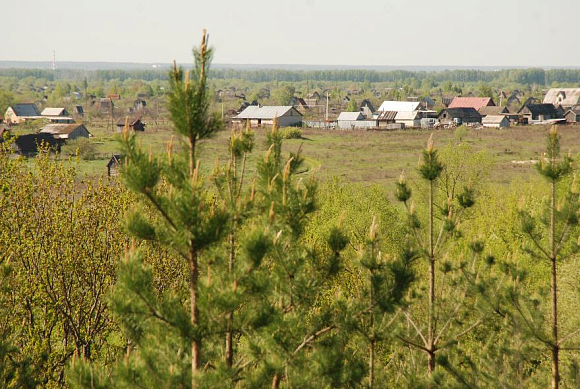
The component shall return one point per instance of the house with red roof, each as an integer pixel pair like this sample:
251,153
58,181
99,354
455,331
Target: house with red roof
472,102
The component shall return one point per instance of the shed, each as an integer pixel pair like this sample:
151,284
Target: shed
496,121
347,120
27,145
260,116
135,124
572,115
471,102
139,104
113,164
466,115
19,113
66,131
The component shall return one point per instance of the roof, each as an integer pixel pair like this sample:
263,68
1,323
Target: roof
408,106
53,112
406,115
350,116
385,115
463,113
132,121
25,110
492,110
367,103
116,159
267,112
471,102
61,129
493,119
541,109
563,96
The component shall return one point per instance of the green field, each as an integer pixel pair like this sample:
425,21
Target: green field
366,156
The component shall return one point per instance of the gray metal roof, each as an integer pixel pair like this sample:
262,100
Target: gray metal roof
350,116
25,110
267,112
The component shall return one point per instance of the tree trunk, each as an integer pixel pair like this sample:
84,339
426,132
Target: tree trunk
371,364
431,329
554,292
276,382
195,344
229,336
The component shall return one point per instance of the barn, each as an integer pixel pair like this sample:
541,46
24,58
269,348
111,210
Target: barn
66,131
258,116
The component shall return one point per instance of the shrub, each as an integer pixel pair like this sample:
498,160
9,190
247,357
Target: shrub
86,149
292,133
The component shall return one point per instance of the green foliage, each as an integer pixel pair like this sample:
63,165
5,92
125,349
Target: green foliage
352,106
291,133
83,147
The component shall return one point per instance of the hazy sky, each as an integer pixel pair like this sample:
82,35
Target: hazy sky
328,32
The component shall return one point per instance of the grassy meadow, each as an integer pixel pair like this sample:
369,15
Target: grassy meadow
363,156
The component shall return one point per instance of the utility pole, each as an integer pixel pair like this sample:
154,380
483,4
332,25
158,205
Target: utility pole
327,106
53,60
111,110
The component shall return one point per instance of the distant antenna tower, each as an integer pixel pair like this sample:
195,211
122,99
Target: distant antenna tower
53,60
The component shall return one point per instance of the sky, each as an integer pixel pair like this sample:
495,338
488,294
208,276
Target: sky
312,32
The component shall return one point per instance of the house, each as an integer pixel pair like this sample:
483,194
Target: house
299,103
565,97
407,112
261,116
540,112
347,120
459,116
246,104
66,131
19,113
573,115
366,108
471,102
312,99
114,97
105,105
113,165
27,145
495,121
139,104
135,124
446,101
53,112
492,110
427,103
513,100
408,119
78,111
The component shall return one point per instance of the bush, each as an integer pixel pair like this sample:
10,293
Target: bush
86,149
292,133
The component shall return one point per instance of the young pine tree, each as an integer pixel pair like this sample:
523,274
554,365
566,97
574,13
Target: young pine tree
551,240
445,307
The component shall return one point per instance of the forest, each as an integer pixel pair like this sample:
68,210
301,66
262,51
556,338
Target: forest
252,272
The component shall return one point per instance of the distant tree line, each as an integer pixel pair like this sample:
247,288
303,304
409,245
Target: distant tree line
520,76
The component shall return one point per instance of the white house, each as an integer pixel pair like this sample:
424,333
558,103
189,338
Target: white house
352,120
258,116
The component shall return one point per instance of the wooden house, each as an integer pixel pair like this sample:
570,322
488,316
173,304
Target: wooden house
540,112
565,97
462,115
113,165
492,110
19,113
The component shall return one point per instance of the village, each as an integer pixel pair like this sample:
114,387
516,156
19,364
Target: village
35,124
